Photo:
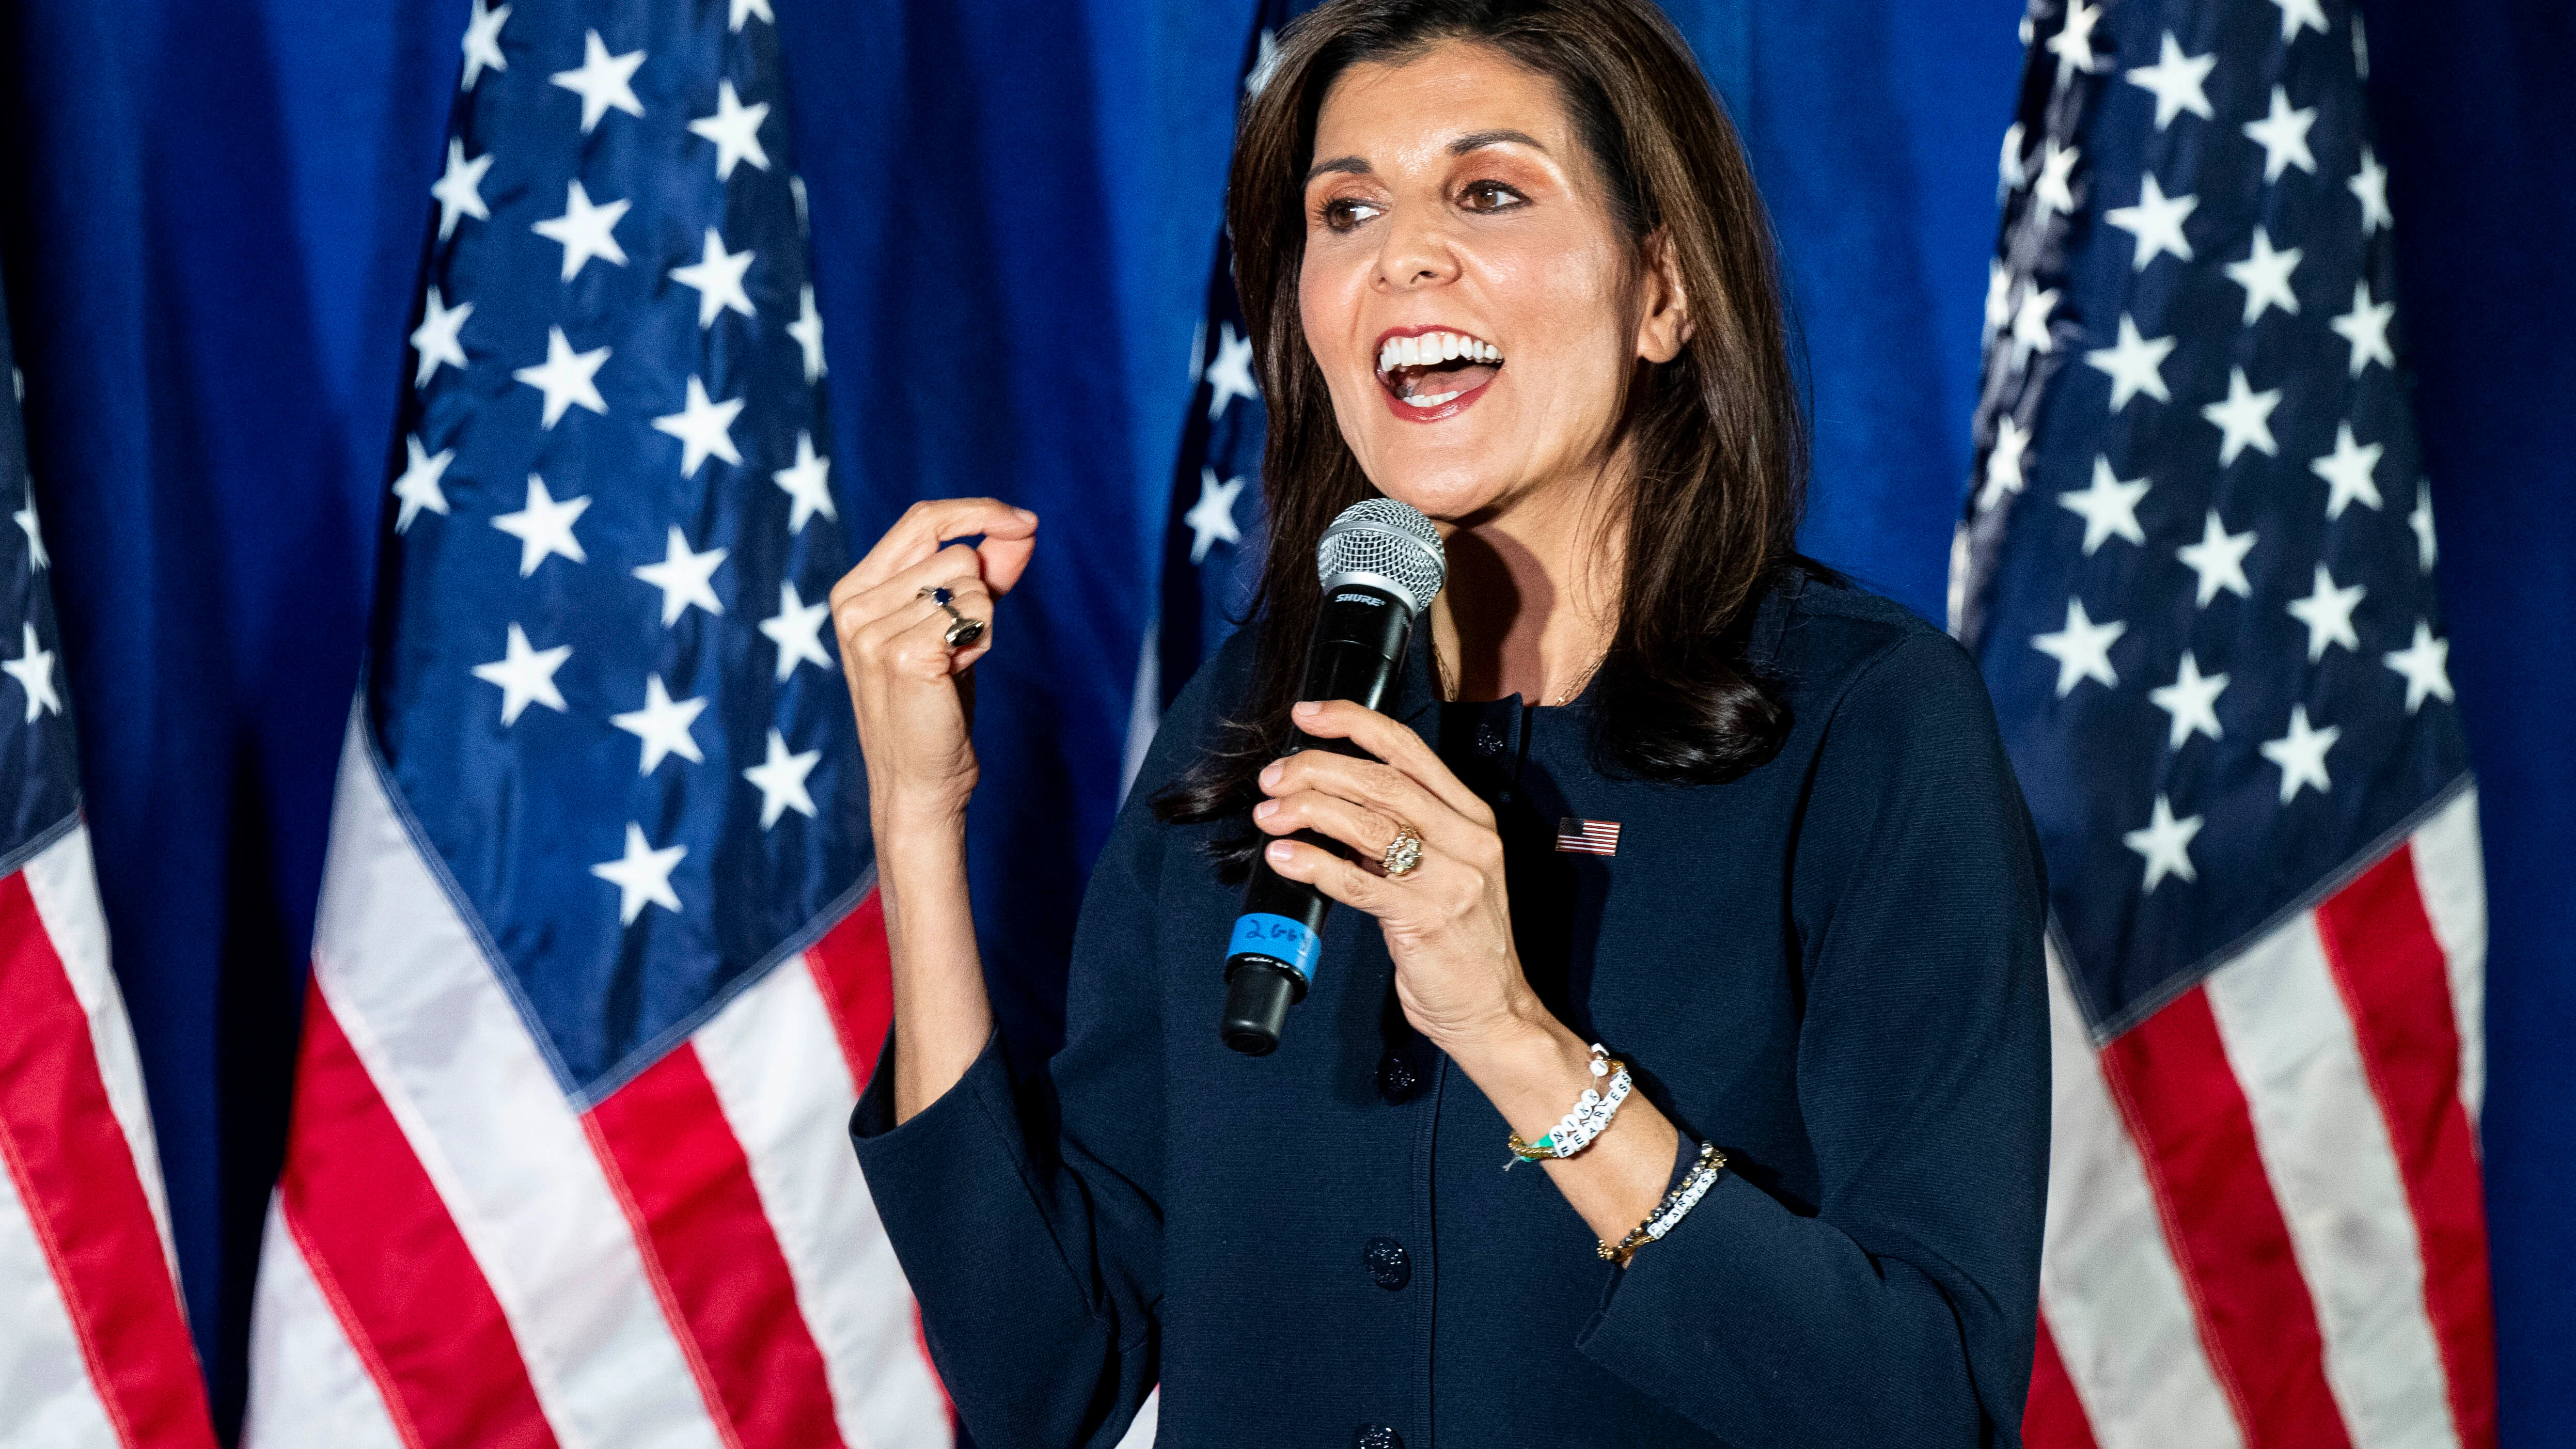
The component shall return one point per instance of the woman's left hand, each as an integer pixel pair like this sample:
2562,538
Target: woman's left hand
1447,921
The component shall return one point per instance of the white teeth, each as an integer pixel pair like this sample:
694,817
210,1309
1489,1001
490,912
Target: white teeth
1429,349
1435,399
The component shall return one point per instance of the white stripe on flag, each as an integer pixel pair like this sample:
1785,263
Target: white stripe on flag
2115,1298
458,1069
776,1066
308,1389
1148,1420
46,1398
65,890
2450,877
2325,1148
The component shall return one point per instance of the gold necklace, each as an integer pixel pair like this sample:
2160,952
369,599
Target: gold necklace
1449,681
1586,678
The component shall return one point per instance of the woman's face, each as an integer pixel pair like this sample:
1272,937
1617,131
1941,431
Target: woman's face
1474,307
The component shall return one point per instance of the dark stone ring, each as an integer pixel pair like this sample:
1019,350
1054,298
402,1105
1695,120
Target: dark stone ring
962,631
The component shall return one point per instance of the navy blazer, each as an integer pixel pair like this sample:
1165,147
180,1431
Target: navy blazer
1831,967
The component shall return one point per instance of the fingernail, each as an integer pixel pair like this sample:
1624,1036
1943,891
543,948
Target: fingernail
1270,775
1265,809
1025,515
1306,709
1278,852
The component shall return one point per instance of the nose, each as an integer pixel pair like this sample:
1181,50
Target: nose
1416,253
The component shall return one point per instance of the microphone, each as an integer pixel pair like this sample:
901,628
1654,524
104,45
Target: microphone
1381,563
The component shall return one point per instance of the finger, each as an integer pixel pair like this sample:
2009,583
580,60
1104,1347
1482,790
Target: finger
915,644
1335,877
1006,558
1366,831
896,648
927,525
921,651
859,596
854,603
1395,744
907,621
1376,786
952,568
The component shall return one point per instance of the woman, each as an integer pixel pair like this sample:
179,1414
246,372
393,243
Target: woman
1814,944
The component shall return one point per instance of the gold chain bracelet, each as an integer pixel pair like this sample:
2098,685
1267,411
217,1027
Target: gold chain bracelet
1676,1204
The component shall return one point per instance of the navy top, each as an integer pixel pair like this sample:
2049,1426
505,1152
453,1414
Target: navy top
1830,967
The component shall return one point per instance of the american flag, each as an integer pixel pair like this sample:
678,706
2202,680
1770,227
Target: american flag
1587,837
94,1345
1212,540
596,973
2197,564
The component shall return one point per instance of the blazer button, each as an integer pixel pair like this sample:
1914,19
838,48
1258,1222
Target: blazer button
1376,1436
1389,1266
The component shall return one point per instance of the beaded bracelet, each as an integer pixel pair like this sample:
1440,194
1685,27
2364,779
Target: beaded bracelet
1675,1206
1587,1119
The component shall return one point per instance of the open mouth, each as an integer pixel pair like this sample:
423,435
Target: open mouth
1430,370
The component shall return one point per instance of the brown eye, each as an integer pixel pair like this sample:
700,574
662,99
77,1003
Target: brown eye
1344,213
1489,196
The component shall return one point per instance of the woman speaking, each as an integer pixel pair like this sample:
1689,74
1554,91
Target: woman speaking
1672,865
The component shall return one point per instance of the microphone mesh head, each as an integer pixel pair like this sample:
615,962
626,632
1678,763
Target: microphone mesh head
1380,541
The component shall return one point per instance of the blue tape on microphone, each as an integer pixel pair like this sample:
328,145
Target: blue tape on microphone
1283,940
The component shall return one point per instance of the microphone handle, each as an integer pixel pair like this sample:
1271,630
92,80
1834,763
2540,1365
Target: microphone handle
1360,637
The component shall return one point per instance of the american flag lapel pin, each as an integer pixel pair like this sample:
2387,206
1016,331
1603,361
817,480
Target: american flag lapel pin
1587,837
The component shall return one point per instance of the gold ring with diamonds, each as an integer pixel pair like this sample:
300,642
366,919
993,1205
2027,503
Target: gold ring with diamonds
962,631
1402,853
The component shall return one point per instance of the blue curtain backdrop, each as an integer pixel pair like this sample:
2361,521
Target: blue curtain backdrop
211,221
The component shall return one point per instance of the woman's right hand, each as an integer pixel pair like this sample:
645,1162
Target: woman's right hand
903,676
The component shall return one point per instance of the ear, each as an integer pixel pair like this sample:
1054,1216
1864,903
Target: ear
1663,316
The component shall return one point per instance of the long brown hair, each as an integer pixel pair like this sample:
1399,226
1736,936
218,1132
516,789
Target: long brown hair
1716,436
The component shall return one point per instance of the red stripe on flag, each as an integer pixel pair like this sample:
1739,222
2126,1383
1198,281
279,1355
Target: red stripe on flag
2189,1115
388,1258
714,1257
2390,967
75,1171
2054,1417
852,969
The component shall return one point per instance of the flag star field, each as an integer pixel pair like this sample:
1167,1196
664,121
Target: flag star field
2198,543
602,685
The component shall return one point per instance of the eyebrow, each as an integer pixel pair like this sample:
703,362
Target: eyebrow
1472,141
1478,140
